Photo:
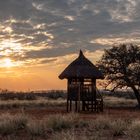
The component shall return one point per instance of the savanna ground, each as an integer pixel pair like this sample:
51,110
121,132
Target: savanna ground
44,117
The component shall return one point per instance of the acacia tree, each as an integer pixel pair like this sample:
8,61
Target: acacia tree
121,67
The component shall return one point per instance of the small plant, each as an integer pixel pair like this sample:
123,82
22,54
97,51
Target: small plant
118,127
134,130
59,122
101,123
72,134
55,94
11,123
20,121
36,128
68,135
7,127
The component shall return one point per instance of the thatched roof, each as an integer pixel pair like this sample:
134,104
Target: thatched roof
81,68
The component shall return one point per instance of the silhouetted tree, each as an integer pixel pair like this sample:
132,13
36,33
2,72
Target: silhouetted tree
121,67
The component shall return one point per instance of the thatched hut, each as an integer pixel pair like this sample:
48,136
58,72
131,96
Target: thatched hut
81,88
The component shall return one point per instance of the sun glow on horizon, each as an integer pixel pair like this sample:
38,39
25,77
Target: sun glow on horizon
10,50
9,46
7,62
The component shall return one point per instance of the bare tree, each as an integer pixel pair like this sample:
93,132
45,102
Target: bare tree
121,67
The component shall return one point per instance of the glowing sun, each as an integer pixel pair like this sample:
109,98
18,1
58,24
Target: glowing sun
7,62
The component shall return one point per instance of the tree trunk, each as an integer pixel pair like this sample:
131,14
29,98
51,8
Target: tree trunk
137,94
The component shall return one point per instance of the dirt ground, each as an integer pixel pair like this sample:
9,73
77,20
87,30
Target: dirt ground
40,113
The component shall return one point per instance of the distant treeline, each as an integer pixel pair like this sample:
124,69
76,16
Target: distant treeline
56,94
121,94
32,95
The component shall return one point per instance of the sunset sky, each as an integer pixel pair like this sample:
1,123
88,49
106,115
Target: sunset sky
39,38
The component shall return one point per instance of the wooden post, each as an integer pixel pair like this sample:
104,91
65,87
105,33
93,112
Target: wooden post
67,95
78,97
67,105
95,100
88,105
76,106
83,105
70,105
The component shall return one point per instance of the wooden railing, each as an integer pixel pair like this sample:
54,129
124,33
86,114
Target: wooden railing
99,100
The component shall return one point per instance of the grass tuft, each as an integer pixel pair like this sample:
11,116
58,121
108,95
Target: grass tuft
11,123
134,130
59,122
119,127
102,122
36,128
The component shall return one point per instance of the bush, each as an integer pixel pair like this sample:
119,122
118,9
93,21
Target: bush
101,123
119,94
36,128
59,122
134,130
55,94
118,127
74,135
11,123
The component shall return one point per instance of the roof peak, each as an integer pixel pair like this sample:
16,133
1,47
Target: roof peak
81,53
81,67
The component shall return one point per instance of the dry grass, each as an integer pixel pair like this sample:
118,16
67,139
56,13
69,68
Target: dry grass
36,128
11,123
110,101
119,127
67,127
9,104
101,123
59,122
134,130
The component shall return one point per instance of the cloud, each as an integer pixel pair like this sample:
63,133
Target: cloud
54,28
129,38
124,11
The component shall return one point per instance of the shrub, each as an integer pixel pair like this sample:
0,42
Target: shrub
72,134
118,127
69,135
101,122
11,123
134,130
20,120
36,128
59,122
7,127
55,94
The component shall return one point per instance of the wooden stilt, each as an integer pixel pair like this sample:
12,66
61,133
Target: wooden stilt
70,105
79,98
76,106
92,105
67,105
83,105
88,105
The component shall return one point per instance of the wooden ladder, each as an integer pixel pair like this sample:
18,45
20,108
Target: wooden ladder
97,105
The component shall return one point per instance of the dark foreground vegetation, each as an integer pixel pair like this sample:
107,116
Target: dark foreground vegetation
67,127
42,116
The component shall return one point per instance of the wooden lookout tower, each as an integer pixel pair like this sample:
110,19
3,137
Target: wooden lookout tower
81,87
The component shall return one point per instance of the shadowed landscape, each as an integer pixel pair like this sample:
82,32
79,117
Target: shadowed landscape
69,70
44,116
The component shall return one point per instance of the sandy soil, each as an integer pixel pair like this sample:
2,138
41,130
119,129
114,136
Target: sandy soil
40,113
